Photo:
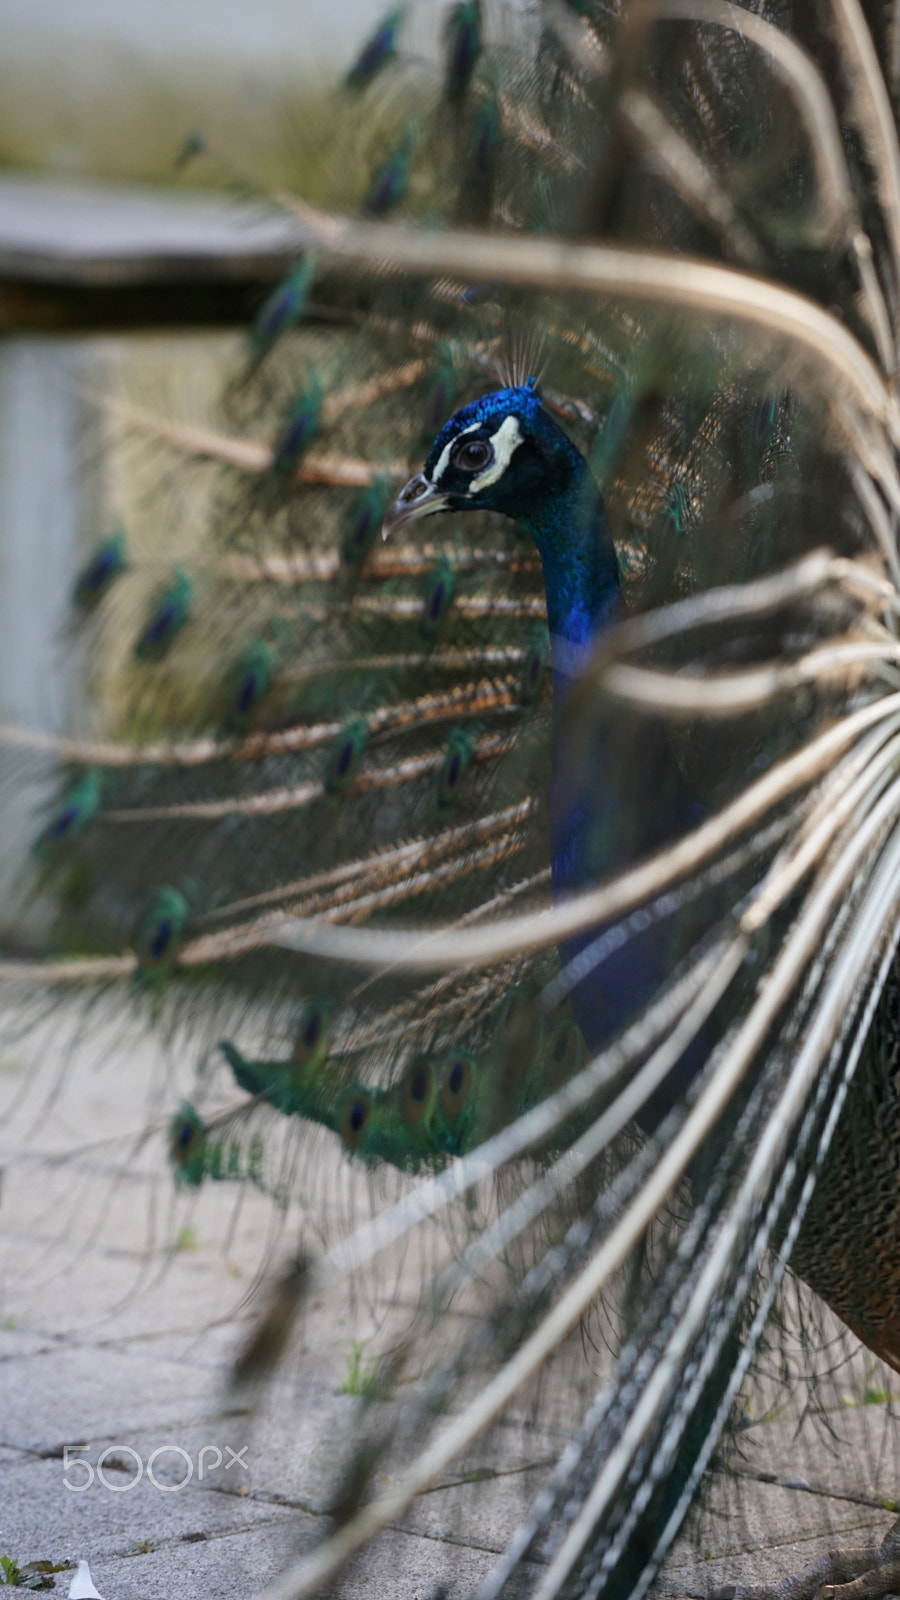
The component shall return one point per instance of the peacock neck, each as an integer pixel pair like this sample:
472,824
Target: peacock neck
616,791
584,599
581,572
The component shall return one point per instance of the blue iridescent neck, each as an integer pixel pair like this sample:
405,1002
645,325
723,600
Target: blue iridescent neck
581,573
578,557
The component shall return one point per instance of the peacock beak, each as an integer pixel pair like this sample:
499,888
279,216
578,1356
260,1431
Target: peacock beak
418,498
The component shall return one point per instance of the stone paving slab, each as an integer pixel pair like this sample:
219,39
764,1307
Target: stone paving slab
230,1566
86,1393
115,1516
110,1344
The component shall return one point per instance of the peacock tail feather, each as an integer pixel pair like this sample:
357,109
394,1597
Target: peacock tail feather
571,919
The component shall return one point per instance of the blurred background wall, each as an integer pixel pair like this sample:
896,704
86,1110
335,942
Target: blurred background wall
110,88
100,96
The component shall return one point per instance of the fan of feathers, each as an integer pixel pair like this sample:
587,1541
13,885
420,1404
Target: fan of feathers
516,894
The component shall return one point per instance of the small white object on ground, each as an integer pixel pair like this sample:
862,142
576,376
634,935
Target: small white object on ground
82,1585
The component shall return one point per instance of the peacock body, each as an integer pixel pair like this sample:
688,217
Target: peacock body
544,853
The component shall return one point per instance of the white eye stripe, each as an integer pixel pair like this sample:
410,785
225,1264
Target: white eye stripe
443,459
506,442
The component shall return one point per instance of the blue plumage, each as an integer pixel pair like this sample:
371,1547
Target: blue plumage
378,51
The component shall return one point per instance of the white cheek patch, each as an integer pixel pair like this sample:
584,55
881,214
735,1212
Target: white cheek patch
506,442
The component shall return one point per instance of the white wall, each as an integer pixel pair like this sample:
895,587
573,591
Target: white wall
259,33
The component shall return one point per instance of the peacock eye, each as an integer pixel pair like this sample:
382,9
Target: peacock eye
473,455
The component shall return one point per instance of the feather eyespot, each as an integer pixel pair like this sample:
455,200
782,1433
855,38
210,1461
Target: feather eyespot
251,681
534,670
247,694
455,766
354,1120
519,1034
418,1089
106,564
188,1149
511,1010
456,1080
160,933
565,1052
437,599
311,1042
366,517
344,756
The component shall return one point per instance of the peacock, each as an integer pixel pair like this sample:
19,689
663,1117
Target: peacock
489,766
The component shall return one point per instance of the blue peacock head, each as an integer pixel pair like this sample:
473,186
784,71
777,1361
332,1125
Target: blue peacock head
505,453
502,452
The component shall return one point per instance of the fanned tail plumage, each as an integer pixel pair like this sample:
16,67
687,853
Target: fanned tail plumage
545,857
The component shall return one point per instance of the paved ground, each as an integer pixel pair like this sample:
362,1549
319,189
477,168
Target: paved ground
118,1348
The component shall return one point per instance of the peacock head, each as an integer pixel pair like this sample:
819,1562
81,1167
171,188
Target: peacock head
503,452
